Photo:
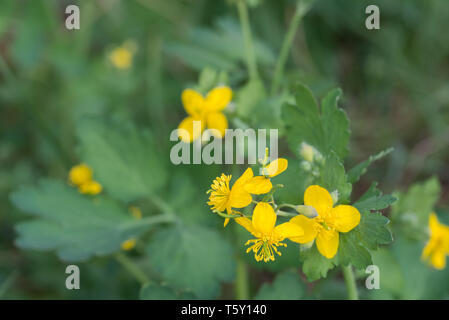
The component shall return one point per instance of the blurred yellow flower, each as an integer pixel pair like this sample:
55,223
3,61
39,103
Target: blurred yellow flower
325,227
122,57
437,247
81,176
268,236
222,197
129,244
207,110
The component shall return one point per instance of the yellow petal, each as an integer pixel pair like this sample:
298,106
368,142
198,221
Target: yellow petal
345,218
190,129
289,230
193,102
275,167
129,244
245,223
319,198
218,98
258,185
239,197
438,260
90,187
217,121
264,218
309,226
327,242
226,221
80,174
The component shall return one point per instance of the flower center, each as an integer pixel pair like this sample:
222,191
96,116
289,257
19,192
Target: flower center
264,248
219,193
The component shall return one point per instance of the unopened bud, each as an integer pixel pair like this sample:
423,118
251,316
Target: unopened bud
334,195
306,166
308,211
305,246
307,152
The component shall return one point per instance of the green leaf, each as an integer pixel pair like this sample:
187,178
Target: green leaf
373,199
286,286
74,225
335,124
163,292
360,169
121,155
248,97
333,177
328,131
192,257
351,251
372,230
314,265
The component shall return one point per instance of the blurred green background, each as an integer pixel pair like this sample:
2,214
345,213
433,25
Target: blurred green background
395,84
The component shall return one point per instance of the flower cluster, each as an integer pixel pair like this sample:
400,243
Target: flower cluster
81,176
319,221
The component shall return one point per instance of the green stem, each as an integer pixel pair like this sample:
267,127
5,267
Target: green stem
300,11
247,37
132,268
242,281
351,287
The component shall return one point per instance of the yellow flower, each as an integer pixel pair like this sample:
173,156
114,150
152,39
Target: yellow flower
328,222
207,110
80,174
268,236
262,184
222,197
90,187
437,248
122,57
135,211
129,244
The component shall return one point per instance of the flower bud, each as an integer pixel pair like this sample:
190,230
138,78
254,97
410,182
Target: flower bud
308,211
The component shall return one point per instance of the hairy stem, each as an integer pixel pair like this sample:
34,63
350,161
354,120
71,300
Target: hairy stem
132,268
351,287
247,37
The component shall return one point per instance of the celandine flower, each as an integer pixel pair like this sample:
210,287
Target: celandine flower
437,248
122,57
223,198
262,184
81,176
268,236
325,227
207,110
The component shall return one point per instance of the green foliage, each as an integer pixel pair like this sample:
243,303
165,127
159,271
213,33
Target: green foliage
360,169
327,131
163,292
192,257
373,199
314,265
411,211
286,286
333,177
121,154
74,225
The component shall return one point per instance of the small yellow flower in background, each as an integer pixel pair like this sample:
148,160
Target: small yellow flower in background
325,227
121,57
437,248
90,187
129,244
268,235
207,110
81,176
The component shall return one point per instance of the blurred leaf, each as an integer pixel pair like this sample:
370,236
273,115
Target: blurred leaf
162,292
192,257
391,277
360,169
122,155
351,251
248,97
372,230
76,226
286,286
